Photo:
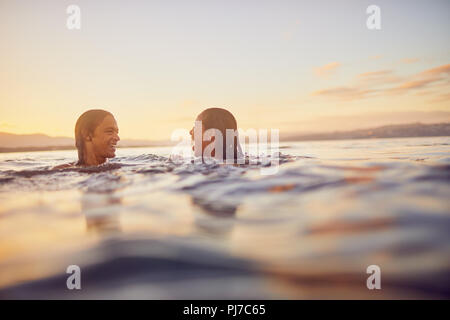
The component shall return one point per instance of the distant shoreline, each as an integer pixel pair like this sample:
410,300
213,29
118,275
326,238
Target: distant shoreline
413,130
305,139
62,148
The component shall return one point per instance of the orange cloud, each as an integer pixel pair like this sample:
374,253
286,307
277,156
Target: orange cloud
424,79
410,60
368,83
378,77
327,70
414,84
374,74
445,69
344,93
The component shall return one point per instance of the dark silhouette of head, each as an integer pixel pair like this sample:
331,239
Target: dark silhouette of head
222,120
96,136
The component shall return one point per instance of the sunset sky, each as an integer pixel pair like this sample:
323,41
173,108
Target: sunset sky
299,66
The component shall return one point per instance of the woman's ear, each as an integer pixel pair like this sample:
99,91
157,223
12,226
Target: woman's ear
86,136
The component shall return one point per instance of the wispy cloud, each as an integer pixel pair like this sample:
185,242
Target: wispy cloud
344,93
327,70
444,69
416,84
410,60
384,82
378,77
424,79
373,74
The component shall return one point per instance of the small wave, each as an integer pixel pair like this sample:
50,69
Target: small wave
434,173
317,219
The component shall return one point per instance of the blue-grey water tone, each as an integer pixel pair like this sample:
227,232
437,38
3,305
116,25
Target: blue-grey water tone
144,226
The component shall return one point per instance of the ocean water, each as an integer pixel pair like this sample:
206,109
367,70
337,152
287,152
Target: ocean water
146,227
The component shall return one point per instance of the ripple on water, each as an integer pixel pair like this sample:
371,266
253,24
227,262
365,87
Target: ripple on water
325,217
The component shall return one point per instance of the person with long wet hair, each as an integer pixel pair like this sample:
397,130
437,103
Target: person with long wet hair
96,137
220,120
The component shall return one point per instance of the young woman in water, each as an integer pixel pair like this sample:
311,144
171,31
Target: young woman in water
96,137
222,121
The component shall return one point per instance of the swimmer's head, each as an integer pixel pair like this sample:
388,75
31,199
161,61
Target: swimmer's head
221,120
96,137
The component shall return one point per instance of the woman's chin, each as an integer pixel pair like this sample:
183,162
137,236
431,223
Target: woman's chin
111,154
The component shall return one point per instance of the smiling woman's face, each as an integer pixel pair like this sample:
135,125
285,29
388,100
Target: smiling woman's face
105,138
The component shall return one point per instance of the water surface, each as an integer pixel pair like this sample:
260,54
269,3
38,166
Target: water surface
144,226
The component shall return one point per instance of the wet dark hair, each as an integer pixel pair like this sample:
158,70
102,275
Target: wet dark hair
220,119
85,126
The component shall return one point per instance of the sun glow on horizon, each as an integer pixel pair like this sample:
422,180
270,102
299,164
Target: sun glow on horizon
313,68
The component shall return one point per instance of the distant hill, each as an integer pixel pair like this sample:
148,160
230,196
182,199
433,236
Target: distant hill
10,140
39,142
389,131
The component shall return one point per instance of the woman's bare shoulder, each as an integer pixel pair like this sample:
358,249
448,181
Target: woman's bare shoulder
65,166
